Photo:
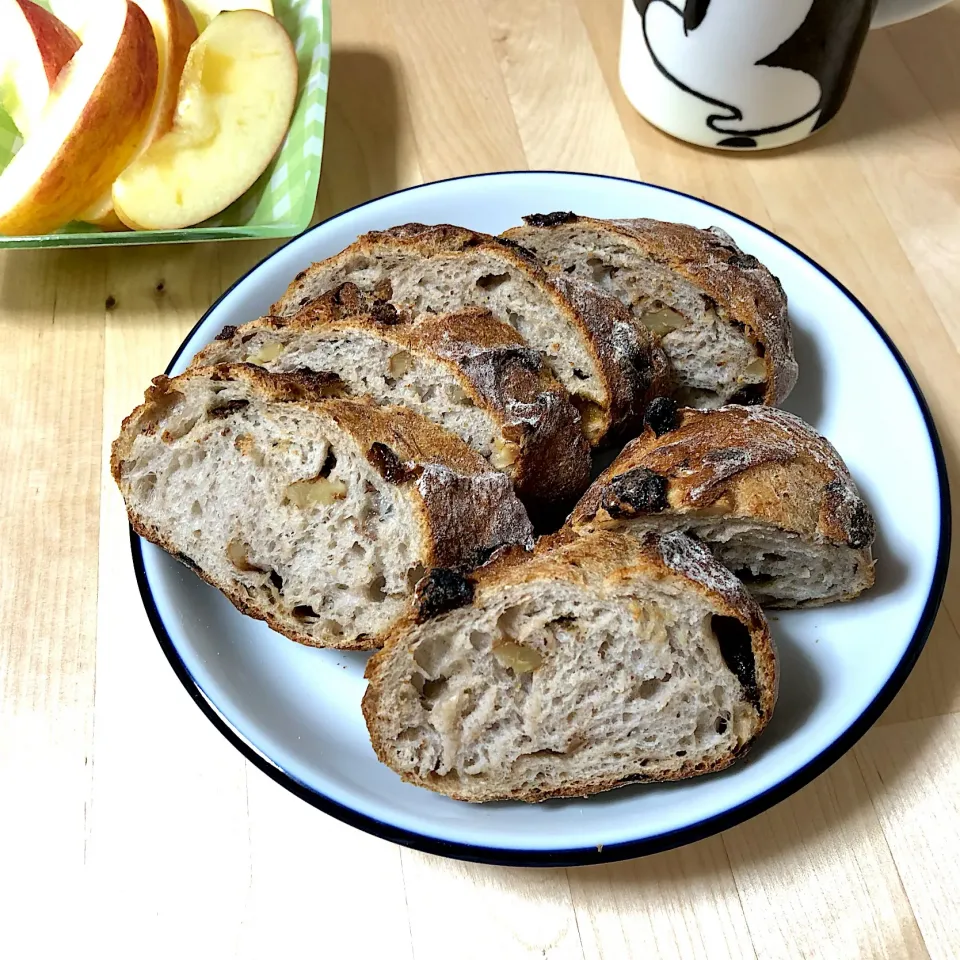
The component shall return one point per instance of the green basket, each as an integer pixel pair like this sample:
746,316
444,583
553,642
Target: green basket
281,202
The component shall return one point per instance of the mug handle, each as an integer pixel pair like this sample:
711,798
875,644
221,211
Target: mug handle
894,11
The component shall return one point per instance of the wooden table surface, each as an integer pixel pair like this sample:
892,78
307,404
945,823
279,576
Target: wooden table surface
128,823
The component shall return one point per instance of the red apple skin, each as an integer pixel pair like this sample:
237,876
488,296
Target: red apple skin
183,32
55,40
102,142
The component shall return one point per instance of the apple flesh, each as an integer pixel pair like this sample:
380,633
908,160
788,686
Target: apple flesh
205,10
174,31
90,126
34,47
237,95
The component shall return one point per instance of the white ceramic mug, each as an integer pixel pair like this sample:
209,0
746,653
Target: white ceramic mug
746,74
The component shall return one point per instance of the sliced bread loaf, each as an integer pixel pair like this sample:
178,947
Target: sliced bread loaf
770,496
319,516
609,363
466,371
601,661
720,314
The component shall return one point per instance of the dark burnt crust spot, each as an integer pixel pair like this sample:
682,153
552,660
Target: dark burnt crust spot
637,491
300,276
231,406
743,261
736,648
390,466
523,251
227,333
857,521
187,562
550,219
439,591
661,416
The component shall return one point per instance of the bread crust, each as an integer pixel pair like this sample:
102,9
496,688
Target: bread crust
747,294
631,365
756,463
495,367
465,509
599,560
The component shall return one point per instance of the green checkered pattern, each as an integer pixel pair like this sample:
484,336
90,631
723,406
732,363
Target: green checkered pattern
281,202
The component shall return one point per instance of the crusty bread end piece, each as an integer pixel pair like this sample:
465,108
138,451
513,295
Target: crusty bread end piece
599,662
319,516
770,496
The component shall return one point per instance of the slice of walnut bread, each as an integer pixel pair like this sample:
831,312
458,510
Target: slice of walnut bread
608,362
600,661
720,314
316,515
466,371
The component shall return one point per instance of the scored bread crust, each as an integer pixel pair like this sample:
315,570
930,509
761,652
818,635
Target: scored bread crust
747,294
631,365
757,463
465,510
494,365
596,561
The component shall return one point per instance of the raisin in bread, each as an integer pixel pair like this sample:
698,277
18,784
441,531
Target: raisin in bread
720,314
770,496
600,661
466,371
608,362
316,515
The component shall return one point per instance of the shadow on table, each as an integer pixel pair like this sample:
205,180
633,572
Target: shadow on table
360,151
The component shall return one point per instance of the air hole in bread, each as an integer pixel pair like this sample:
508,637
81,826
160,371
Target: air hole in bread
432,689
332,628
277,581
415,575
226,409
306,613
480,640
736,649
196,509
580,375
601,273
746,575
648,689
750,395
376,590
721,725
490,281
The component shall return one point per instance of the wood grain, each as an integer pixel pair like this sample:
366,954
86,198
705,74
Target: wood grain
126,820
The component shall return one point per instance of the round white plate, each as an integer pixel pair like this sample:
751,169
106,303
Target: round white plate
295,711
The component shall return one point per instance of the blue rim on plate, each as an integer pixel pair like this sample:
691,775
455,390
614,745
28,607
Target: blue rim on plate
577,856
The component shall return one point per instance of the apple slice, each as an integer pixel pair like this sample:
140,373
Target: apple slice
236,98
175,31
89,127
34,47
205,10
